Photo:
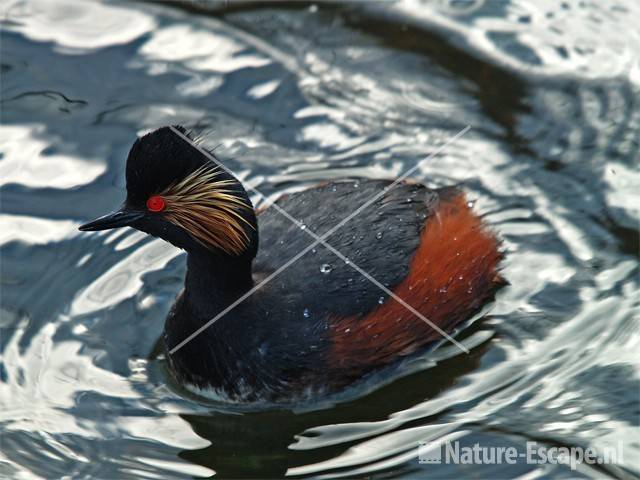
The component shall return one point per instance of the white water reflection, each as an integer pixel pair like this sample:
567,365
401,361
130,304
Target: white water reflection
122,280
26,160
76,27
200,49
573,37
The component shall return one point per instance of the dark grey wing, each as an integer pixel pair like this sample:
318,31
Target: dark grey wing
380,239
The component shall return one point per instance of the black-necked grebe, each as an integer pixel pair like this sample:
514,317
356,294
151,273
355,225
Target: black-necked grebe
318,325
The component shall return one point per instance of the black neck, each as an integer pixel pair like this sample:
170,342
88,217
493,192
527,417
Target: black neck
214,280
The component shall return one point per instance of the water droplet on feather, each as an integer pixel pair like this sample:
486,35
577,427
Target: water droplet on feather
326,268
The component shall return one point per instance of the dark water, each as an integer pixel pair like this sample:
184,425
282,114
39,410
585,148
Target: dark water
290,95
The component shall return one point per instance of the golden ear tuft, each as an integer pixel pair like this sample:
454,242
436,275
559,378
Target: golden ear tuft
209,210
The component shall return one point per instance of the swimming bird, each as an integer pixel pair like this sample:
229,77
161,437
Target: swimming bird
315,325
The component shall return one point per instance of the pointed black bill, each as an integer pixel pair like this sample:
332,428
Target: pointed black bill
119,218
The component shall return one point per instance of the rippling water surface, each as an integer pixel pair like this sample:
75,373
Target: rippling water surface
290,95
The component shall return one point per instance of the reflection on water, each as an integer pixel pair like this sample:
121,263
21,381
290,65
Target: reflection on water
290,95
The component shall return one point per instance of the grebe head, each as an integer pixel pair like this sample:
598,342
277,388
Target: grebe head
178,194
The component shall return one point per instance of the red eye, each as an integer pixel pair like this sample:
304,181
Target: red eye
155,203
